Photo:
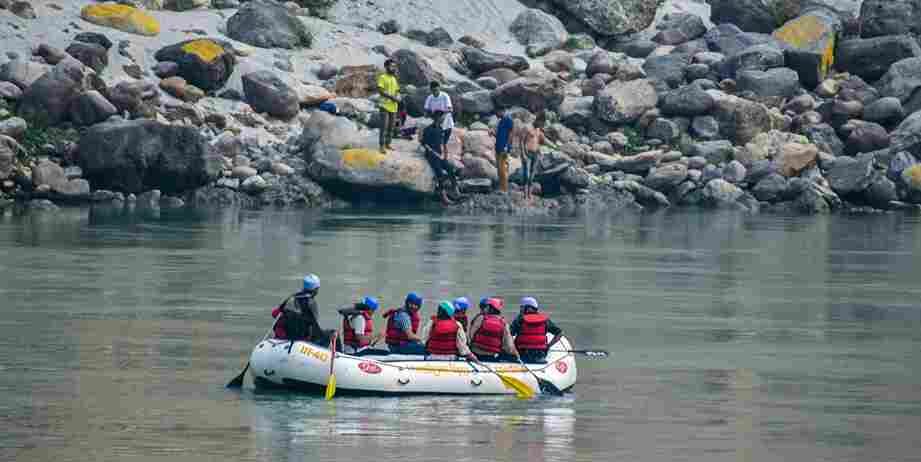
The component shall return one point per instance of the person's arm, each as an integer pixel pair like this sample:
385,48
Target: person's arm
277,311
427,107
423,336
556,331
357,324
508,343
462,349
515,327
474,327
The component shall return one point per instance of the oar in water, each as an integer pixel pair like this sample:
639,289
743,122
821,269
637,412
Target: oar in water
546,386
331,381
237,381
522,390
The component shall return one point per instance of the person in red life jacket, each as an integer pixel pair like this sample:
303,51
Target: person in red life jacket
403,327
460,312
530,330
358,326
299,322
490,337
444,337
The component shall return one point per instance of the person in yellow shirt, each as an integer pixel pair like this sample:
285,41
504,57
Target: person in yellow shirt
389,88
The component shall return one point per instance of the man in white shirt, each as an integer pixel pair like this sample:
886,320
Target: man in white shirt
441,101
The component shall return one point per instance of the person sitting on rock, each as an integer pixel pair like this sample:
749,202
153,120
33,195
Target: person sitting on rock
445,174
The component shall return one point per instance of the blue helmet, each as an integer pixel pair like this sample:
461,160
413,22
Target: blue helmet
370,302
529,302
447,307
461,304
311,282
484,302
414,298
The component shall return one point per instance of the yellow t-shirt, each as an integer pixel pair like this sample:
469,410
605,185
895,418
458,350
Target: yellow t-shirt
389,85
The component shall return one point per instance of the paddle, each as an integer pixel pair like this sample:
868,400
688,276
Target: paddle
522,390
546,386
237,381
331,382
595,353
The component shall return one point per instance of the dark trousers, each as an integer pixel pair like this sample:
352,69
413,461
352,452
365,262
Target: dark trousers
533,356
411,348
388,120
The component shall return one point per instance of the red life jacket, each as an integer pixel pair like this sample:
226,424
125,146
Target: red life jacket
279,328
488,337
349,333
396,336
443,338
533,334
461,317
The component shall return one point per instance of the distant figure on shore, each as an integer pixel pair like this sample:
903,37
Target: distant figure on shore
389,88
533,137
503,134
433,143
440,101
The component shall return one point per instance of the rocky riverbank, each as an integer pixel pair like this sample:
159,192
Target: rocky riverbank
806,106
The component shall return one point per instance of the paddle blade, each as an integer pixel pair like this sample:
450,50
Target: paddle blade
331,387
237,381
522,390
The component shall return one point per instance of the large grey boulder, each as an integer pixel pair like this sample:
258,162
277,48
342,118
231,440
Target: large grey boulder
771,188
91,108
666,178
849,175
267,24
414,69
481,61
539,31
93,55
577,111
611,17
678,28
345,158
625,102
265,92
49,98
139,155
741,120
759,57
668,69
205,63
901,80
781,81
477,102
884,111
22,73
748,15
688,101
890,17
714,151
728,39
719,193
871,58
537,92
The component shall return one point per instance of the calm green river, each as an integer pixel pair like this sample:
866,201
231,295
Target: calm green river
733,338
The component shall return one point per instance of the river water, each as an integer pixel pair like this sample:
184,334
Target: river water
733,337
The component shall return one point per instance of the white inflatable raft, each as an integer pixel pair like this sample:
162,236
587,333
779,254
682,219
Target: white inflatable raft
306,367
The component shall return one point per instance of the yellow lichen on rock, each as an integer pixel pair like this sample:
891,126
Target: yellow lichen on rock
122,17
802,32
912,177
206,50
362,158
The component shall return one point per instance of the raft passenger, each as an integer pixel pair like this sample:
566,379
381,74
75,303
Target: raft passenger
444,337
461,304
300,321
403,327
490,337
530,330
358,326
